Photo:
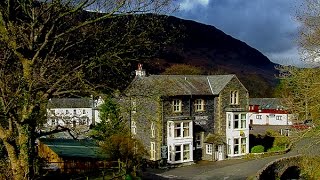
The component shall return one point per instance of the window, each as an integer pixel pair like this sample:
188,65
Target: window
229,146
236,121
177,130
209,149
186,152
243,145
67,112
52,112
152,130
135,147
176,105
177,156
199,105
258,116
243,120
133,127
186,129
133,106
278,117
229,121
74,111
53,122
234,97
198,141
153,151
170,129
236,146
83,111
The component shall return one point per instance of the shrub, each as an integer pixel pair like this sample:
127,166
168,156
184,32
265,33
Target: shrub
276,148
257,149
282,141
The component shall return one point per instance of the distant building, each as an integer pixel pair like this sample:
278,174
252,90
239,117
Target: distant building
269,114
183,118
76,113
268,111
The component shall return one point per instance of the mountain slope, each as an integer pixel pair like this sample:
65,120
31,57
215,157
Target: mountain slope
215,52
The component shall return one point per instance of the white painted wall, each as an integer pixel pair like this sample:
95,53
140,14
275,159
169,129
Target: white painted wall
270,119
239,133
173,141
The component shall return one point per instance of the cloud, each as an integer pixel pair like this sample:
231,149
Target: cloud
187,5
268,26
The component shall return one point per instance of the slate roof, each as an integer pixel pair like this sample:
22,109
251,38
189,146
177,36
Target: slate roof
179,84
70,103
266,103
70,148
214,139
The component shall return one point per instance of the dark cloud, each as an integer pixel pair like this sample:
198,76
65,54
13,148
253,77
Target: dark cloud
267,25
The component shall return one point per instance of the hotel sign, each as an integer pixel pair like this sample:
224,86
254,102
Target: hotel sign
201,120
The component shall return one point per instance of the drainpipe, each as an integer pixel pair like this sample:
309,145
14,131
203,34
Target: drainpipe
130,109
162,121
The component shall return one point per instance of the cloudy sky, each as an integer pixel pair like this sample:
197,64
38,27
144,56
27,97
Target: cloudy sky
267,25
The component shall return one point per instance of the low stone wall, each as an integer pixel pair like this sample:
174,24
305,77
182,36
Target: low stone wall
275,169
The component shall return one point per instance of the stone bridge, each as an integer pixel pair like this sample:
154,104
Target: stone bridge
280,168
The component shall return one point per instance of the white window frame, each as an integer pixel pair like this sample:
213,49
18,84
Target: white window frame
243,145
229,146
177,105
175,152
179,156
198,141
209,149
236,145
234,97
236,120
229,121
152,151
258,116
278,117
186,129
133,106
186,151
53,122
170,126
153,131
243,121
52,112
133,127
179,127
199,105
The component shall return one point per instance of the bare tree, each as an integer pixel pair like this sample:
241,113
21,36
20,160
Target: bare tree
47,49
309,41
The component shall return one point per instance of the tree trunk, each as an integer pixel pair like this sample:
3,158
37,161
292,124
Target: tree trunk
20,153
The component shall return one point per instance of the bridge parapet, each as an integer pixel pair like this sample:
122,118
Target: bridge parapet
275,169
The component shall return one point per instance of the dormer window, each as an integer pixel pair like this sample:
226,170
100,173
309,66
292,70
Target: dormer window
234,97
176,105
199,105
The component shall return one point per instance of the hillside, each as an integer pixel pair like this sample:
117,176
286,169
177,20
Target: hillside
214,51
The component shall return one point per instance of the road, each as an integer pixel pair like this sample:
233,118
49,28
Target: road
236,169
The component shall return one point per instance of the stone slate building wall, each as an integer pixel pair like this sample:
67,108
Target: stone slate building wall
224,103
148,111
189,113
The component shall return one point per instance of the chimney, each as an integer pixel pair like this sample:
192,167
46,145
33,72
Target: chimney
140,72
